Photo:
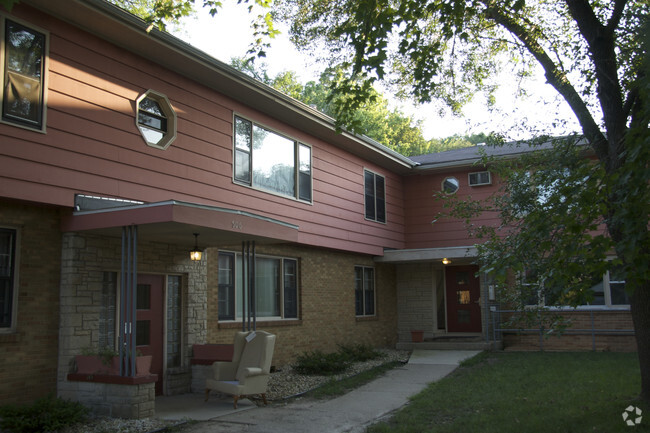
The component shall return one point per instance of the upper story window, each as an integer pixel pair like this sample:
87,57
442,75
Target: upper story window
375,196
276,287
450,185
270,161
7,278
364,291
156,119
23,54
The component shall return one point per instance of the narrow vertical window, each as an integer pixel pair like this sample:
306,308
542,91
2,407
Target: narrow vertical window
375,196
24,66
290,289
304,173
226,286
364,290
7,265
243,147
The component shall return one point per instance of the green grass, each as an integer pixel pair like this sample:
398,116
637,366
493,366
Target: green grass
528,392
335,388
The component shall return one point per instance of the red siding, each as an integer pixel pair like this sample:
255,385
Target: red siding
422,208
92,146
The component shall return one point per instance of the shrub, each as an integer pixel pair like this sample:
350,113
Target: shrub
359,353
319,363
47,414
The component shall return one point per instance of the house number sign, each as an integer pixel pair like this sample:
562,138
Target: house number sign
237,225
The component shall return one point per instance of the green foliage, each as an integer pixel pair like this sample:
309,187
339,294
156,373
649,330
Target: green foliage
8,4
320,363
106,353
47,414
358,352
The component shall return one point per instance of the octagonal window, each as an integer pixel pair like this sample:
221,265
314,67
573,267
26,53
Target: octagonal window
450,185
156,119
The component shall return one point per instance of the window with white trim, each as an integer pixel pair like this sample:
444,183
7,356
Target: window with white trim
7,278
23,55
364,291
267,160
374,196
276,287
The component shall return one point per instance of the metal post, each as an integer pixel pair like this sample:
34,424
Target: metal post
243,285
252,287
134,291
122,339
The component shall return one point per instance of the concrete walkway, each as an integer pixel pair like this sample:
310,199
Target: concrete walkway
350,413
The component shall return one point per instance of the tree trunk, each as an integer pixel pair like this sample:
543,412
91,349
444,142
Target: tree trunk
640,307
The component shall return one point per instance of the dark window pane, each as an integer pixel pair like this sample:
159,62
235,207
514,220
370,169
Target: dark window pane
142,333
23,89
369,180
226,286
290,289
242,166
7,248
143,297
380,198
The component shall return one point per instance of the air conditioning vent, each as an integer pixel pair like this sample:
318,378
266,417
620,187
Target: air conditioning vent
480,178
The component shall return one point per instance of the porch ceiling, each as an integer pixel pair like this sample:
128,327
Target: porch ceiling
174,222
457,255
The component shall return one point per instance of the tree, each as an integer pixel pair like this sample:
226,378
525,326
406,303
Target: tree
375,118
594,55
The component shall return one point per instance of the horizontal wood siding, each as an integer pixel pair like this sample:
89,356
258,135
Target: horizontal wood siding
421,231
92,146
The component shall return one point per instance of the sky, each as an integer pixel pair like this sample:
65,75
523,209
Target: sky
228,35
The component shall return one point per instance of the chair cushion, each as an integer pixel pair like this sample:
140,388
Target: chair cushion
251,356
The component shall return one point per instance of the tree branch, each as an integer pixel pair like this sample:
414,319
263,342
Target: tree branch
617,14
554,75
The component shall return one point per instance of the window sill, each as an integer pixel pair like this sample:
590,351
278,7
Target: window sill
366,318
260,323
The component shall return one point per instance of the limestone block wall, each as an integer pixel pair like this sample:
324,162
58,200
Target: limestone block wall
85,258
114,400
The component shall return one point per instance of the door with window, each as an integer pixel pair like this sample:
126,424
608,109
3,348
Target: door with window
463,299
149,322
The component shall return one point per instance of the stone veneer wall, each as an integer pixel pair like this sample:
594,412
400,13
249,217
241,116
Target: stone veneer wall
84,259
28,353
326,304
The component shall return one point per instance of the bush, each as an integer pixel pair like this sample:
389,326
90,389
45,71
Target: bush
47,414
319,363
359,353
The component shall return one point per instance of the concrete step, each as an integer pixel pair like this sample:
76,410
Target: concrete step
456,344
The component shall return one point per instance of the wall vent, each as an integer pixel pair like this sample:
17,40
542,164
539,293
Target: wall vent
480,178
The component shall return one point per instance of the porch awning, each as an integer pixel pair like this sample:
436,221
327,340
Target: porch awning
175,221
464,254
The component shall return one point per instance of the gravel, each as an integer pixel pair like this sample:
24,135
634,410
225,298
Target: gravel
284,383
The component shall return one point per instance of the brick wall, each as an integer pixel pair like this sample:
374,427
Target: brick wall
326,305
416,304
28,357
612,333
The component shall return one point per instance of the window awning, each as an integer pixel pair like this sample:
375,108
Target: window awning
175,221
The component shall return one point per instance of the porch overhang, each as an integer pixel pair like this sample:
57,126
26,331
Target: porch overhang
174,222
464,255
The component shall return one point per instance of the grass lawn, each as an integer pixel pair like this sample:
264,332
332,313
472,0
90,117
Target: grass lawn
528,392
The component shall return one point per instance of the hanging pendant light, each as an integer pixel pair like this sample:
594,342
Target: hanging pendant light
196,253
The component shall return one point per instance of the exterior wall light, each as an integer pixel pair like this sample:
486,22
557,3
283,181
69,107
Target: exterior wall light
446,261
196,253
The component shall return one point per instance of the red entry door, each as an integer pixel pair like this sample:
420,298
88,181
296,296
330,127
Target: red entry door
463,299
149,326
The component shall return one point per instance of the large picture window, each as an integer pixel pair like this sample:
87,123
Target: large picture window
276,287
270,161
364,291
23,70
7,277
375,196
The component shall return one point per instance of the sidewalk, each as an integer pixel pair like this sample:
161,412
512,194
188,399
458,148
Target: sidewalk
350,413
